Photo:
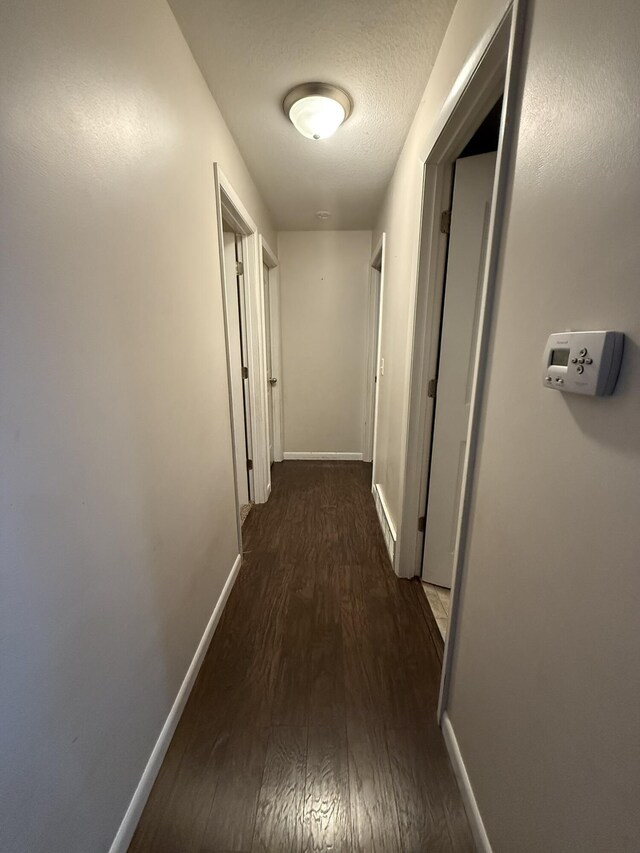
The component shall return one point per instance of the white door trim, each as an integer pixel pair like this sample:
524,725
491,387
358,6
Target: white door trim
270,259
374,329
493,68
229,205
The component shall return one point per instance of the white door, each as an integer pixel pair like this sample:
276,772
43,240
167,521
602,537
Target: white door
237,363
270,378
244,351
373,364
471,207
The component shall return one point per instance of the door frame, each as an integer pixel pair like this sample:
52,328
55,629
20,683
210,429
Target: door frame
374,332
270,258
492,69
230,207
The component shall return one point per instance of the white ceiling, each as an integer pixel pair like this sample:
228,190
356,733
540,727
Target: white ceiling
252,52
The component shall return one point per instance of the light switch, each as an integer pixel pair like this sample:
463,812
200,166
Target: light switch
382,367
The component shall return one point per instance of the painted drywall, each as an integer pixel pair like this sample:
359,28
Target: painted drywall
117,515
324,293
545,688
546,683
400,219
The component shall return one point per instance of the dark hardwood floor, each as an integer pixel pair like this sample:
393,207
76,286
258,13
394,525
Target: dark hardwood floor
311,726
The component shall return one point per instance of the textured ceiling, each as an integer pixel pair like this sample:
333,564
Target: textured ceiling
252,52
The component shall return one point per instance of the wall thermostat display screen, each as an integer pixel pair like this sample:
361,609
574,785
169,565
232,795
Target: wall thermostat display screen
560,357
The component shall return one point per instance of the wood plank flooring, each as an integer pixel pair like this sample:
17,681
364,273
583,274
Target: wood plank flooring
311,726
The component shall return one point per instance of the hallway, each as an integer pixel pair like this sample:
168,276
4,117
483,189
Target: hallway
311,726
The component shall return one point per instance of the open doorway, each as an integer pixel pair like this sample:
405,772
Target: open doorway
273,353
466,225
238,367
373,352
243,298
271,379
486,90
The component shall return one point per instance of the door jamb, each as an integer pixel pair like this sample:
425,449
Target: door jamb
270,259
228,203
492,69
373,346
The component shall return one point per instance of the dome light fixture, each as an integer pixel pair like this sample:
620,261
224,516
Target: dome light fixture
317,110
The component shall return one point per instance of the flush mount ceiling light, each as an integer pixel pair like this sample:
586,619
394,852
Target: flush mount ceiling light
317,110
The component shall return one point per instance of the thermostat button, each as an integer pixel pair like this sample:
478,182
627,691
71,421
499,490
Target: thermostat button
580,368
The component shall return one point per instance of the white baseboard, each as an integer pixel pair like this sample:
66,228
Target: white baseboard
141,795
353,457
388,527
470,805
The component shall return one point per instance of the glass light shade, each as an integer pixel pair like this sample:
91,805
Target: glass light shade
317,116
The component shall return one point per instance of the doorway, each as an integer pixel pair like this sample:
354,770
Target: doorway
466,224
271,379
242,291
492,72
273,354
239,367
373,353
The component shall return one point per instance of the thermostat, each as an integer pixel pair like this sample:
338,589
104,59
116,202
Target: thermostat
583,362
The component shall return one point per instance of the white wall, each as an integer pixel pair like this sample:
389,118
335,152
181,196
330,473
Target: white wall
117,514
546,685
324,292
400,219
